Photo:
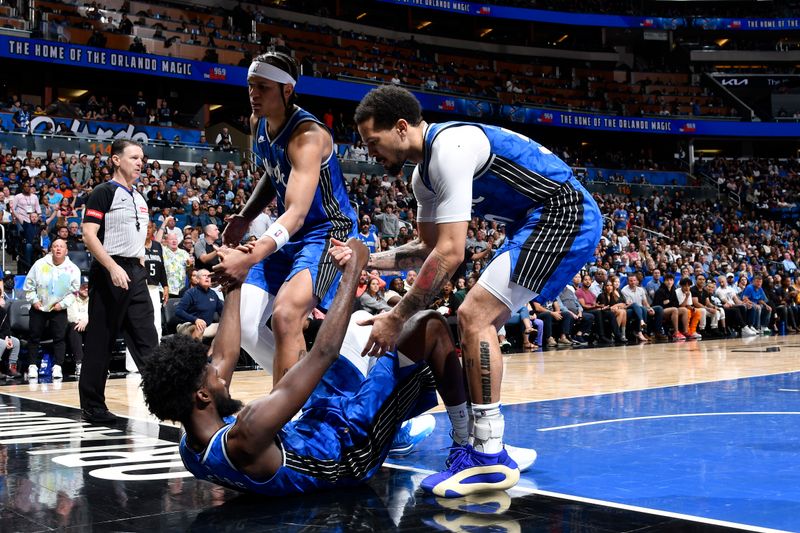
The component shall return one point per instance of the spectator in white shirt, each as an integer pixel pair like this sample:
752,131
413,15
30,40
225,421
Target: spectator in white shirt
600,277
735,310
638,304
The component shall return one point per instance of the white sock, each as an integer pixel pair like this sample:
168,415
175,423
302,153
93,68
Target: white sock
459,420
488,428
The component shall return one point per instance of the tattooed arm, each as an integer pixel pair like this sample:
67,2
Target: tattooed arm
410,255
438,267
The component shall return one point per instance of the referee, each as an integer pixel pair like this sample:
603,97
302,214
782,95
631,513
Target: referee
114,230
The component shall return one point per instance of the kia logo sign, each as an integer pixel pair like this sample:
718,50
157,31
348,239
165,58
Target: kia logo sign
736,82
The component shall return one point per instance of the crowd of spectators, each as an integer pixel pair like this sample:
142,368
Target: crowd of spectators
382,59
758,183
42,195
137,109
709,244
691,247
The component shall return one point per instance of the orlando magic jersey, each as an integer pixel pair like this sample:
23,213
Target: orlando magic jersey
553,223
520,174
330,214
338,441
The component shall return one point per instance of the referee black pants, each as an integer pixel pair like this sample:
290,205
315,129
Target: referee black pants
111,310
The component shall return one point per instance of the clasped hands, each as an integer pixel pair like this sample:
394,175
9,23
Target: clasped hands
234,264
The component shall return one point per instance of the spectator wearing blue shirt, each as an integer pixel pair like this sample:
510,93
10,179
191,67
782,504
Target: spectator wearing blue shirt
789,266
22,119
54,196
194,218
197,308
758,310
620,219
652,286
369,238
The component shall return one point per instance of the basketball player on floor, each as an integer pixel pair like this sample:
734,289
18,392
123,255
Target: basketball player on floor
340,439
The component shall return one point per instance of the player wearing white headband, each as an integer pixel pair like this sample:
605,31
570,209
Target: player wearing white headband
290,271
287,272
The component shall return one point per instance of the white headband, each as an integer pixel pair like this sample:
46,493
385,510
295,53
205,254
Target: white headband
270,72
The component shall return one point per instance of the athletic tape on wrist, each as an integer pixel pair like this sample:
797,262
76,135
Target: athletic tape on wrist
278,233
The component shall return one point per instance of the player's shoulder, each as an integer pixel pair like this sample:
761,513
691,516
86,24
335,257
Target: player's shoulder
455,132
307,124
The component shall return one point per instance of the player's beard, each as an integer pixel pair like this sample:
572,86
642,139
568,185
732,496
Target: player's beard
227,406
395,168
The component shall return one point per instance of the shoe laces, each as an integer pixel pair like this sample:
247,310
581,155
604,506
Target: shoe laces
404,432
458,456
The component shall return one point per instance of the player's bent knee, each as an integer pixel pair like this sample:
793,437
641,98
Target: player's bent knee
288,319
470,317
430,320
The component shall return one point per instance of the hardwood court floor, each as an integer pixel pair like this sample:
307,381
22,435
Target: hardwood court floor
529,377
648,438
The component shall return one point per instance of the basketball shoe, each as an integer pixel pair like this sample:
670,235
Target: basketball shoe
470,471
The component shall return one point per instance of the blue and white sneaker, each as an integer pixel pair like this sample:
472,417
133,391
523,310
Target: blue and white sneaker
524,457
469,471
410,434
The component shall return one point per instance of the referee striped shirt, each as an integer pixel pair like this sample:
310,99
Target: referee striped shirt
117,209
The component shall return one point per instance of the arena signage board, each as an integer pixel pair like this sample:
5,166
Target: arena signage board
756,81
543,15
105,131
153,65
483,110
747,24
692,126
605,21
120,61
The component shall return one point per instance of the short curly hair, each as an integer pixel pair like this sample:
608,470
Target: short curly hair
171,375
386,105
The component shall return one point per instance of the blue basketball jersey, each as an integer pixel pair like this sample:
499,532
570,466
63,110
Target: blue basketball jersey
341,438
520,175
311,449
371,240
331,214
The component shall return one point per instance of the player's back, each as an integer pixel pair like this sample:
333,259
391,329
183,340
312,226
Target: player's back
519,175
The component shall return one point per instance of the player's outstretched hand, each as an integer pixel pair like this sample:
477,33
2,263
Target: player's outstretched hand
386,329
233,266
236,227
342,252
360,251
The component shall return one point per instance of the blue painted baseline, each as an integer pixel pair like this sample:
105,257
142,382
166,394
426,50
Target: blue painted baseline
719,452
